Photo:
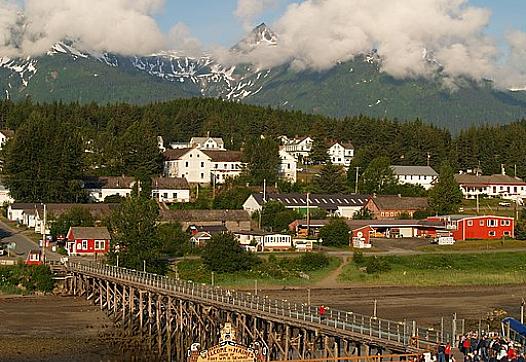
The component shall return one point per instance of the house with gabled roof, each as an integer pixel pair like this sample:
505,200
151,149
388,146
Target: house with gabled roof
341,153
339,205
207,143
170,189
202,166
498,185
299,148
392,207
424,176
88,240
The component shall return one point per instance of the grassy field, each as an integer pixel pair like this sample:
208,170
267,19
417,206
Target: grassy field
476,245
270,273
443,270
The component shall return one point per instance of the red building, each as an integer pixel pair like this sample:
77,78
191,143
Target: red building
465,227
88,240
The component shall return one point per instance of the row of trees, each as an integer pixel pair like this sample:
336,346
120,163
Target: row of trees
404,143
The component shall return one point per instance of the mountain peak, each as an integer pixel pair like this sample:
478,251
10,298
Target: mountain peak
260,35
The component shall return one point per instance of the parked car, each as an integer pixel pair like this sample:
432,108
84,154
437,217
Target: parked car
505,204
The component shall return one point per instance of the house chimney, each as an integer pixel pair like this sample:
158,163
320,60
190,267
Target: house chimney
208,134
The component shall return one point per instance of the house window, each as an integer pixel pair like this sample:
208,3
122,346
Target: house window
493,223
202,164
174,195
165,195
481,223
202,175
470,222
100,244
507,233
84,245
492,233
186,164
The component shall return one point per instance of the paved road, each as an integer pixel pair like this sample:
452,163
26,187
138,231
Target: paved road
23,243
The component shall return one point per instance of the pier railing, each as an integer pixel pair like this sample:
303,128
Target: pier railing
399,332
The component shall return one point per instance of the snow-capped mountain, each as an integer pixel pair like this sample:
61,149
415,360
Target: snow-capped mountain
353,87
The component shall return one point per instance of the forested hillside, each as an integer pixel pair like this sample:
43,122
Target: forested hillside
111,132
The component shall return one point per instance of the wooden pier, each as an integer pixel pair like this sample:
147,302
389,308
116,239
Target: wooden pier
170,315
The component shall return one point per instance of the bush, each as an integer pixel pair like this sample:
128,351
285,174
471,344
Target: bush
313,261
30,278
62,251
358,258
223,254
376,265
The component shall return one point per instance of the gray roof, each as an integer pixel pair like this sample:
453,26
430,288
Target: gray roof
323,201
414,170
90,233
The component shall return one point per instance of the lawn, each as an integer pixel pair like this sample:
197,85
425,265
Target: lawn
476,245
442,270
273,271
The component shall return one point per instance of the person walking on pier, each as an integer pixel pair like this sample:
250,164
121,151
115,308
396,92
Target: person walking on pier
322,310
447,351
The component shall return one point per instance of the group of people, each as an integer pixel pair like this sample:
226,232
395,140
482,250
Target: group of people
483,348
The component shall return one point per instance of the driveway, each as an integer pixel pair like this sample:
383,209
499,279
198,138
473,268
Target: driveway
23,243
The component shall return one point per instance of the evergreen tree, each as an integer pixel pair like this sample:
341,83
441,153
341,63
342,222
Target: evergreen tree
318,154
43,162
378,177
140,153
263,161
77,216
445,197
135,237
336,233
331,180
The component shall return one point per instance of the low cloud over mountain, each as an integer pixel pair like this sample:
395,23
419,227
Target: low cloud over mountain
414,38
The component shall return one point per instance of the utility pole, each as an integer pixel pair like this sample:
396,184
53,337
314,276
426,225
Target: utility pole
213,279
264,190
308,214
375,308
428,159
308,296
43,229
357,177
213,185
478,203
144,265
256,287
522,310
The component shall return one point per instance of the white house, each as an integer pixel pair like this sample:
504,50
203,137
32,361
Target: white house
5,135
289,165
499,185
170,190
5,196
201,238
207,143
99,188
264,241
299,148
424,176
341,153
160,144
335,205
200,166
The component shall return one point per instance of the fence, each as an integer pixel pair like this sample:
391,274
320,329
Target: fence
383,329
